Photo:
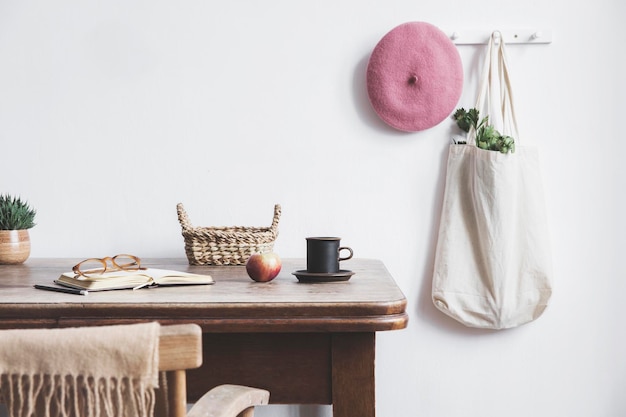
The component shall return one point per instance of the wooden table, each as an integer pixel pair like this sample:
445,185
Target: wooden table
305,343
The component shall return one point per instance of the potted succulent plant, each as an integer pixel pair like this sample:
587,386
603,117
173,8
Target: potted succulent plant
16,217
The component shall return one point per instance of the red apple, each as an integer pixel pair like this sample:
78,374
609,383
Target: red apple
263,267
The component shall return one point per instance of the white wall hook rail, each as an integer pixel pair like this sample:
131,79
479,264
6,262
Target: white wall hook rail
511,36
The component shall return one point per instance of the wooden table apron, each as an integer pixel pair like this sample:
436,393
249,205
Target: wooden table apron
306,343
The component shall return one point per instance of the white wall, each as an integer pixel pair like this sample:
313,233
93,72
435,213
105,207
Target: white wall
113,112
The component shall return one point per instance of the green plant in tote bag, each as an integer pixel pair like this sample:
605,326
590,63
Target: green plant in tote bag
487,137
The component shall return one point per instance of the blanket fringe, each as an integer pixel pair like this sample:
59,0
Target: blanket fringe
75,396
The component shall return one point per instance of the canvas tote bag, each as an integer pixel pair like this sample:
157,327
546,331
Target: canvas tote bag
493,262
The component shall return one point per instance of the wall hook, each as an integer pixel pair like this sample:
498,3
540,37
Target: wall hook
510,36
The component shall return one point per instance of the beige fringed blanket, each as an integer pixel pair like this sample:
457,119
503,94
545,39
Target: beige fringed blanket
107,371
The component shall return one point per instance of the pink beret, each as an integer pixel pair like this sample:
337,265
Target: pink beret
414,77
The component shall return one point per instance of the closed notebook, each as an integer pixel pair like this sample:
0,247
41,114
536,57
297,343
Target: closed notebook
132,279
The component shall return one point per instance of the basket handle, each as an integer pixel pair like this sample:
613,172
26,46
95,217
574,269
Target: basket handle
182,217
277,212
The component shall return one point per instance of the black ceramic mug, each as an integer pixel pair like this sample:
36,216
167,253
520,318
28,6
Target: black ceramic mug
323,254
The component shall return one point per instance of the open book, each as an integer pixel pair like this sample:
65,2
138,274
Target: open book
132,279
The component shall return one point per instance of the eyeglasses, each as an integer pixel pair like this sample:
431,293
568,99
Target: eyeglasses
96,266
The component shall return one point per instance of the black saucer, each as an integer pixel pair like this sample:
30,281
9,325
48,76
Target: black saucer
341,275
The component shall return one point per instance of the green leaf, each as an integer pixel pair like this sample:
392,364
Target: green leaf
462,119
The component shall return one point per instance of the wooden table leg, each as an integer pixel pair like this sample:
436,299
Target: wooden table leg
353,385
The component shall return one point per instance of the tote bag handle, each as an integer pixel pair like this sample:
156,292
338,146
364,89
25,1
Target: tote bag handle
492,90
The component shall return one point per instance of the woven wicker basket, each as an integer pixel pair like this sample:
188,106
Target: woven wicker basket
226,245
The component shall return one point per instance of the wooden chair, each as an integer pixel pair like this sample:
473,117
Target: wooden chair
180,348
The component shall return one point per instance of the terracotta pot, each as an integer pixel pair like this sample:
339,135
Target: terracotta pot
14,246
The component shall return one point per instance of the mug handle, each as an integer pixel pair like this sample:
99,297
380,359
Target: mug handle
346,248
